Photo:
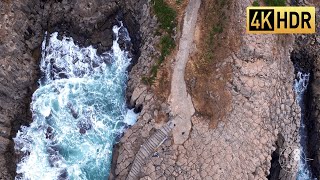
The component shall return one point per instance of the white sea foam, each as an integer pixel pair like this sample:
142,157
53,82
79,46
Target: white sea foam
78,111
131,117
300,86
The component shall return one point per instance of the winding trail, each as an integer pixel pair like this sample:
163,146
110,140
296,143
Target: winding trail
180,101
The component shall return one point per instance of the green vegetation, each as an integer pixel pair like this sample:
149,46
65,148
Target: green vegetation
215,28
255,3
218,29
165,14
275,2
179,2
210,43
221,3
167,19
167,44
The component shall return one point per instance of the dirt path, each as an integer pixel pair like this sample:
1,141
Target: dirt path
180,101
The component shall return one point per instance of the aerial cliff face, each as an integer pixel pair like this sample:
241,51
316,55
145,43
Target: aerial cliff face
254,134
19,71
258,120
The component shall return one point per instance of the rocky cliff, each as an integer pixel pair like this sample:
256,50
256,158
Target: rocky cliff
246,129
22,28
307,51
19,71
253,133
305,56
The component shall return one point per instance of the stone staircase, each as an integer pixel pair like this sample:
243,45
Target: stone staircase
148,148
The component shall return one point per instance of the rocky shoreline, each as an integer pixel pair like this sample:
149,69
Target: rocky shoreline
23,25
259,130
308,51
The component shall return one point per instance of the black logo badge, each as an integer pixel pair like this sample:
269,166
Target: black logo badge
261,20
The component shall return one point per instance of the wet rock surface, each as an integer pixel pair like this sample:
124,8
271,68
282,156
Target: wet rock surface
306,57
307,51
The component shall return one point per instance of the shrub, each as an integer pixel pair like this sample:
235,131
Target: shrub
275,2
165,14
167,44
255,3
167,19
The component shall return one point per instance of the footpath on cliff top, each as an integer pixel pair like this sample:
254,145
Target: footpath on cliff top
180,101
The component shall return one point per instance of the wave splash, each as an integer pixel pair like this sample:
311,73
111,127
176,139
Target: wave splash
300,87
78,111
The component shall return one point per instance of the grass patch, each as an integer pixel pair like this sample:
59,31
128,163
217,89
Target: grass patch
179,2
215,30
215,17
208,72
167,44
275,2
218,29
165,14
167,19
255,3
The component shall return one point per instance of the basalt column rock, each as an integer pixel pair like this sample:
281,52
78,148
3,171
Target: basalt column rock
241,147
18,73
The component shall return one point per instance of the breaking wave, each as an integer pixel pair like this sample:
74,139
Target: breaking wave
78,111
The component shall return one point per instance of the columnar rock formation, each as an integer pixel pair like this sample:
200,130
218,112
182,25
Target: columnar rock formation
262,122
263,119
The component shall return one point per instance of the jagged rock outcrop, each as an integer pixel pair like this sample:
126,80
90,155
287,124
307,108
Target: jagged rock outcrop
313,125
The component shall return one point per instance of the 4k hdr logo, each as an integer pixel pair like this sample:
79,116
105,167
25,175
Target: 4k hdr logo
272,20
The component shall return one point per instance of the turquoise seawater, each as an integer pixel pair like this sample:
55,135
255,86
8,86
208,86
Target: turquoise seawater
78,111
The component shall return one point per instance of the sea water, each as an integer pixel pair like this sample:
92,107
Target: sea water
78,111
300,87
